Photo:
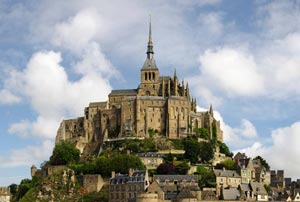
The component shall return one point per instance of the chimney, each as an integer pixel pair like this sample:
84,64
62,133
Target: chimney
113,174
131,170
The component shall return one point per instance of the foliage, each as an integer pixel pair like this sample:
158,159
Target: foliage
228,164
177,143
202,133
182,168
195,151
151,132
24,187
192,149
120,163
64,153
206,151
136,145
224,149
166,169
206,177
268,188
168,158
263,162
101,196
13,189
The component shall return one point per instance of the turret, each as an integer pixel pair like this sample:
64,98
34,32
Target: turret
175,84
211,111
187,90
182,88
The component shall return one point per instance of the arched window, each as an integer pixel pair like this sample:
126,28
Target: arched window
153,76
146,76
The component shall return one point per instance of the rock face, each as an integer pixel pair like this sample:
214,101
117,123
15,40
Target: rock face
160,105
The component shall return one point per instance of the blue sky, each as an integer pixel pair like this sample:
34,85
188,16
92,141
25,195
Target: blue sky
240,56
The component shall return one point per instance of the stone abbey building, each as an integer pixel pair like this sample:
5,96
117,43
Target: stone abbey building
160,104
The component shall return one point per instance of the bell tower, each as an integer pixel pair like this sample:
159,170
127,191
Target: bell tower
149,85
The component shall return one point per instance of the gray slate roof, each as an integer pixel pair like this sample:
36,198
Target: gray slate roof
231,194
179,178
185,194
137,176
150,154
149,64
226,173
124,92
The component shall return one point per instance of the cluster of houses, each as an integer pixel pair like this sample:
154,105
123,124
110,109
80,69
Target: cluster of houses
250,181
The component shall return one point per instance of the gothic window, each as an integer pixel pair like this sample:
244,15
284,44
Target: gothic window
147,93
146,76
153,76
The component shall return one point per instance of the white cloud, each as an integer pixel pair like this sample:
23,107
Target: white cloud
243,135
78,31
28,156
53,96
6,97
233,71
213,22
22,128
283,152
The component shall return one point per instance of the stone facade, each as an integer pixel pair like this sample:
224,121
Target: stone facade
5,195
226,178
277,180
151,160
92,183
161,104
124,187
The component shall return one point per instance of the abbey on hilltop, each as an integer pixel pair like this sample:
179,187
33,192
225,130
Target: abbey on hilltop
160,105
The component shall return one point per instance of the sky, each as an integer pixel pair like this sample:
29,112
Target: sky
240,56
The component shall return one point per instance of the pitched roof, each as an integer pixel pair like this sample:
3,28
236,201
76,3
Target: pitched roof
124,92
137,176
185,193
226,173
231,194
258,188
179,178
149,64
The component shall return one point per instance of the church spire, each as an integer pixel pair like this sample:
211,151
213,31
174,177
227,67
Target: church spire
150,43
211,111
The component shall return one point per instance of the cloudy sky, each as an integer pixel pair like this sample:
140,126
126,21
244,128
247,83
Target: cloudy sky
240,56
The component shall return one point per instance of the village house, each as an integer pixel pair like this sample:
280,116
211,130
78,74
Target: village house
123,187
151,159
226,178
175,187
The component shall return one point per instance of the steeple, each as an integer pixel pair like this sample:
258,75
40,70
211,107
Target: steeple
211,111
150,43
175,74
150,62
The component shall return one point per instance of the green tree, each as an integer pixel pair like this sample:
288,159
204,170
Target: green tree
64,153
182,168
169,158
228,164
24,187
206,151
202,133
192,150
121,163
206,177
263,162
224,149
